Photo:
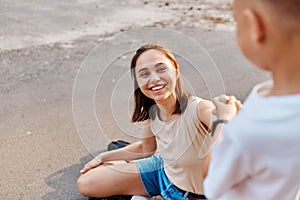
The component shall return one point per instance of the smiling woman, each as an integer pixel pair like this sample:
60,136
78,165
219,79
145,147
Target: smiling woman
156,78
166,161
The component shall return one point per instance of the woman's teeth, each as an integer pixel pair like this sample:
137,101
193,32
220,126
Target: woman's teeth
157,87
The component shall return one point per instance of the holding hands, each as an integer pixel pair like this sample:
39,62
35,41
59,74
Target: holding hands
226,107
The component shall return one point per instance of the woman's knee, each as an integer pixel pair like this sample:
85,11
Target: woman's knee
91,183
84,185
101,181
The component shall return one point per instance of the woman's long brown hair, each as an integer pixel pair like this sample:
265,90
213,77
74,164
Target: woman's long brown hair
146,107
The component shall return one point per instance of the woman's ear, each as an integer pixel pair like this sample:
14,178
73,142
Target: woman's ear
256,26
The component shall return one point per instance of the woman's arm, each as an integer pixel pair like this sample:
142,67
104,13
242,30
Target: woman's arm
206,117
205,113
137,150
224,108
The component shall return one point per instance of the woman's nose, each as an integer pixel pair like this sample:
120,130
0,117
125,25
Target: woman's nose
154,77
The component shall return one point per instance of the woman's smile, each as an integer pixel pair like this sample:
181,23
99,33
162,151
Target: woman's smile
158,87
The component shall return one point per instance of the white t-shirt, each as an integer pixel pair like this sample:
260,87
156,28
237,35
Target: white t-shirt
259,154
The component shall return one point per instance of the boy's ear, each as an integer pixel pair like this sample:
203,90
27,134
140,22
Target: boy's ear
255,26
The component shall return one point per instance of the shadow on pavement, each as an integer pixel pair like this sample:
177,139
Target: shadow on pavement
64,182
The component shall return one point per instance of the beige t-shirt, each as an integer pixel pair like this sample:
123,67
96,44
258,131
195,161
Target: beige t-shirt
179,144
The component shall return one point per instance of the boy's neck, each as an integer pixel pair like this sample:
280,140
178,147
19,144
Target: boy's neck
285,88
285,68
286,80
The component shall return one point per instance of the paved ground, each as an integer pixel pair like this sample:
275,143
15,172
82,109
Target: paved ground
42,48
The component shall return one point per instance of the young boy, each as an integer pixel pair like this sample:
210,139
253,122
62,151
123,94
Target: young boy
259,154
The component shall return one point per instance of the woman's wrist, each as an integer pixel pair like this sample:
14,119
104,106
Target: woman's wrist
99,159
216,123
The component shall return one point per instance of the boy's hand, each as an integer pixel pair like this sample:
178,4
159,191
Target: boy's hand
239,105
226,107
90,165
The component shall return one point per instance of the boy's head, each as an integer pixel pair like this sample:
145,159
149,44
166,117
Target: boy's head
265,27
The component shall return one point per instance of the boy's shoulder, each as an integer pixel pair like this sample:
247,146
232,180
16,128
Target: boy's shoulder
265,119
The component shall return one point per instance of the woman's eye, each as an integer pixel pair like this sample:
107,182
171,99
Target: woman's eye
144,74
162,69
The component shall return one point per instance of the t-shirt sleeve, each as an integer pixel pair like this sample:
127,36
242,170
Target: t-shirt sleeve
227,168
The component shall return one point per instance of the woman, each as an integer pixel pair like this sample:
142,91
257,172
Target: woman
175,127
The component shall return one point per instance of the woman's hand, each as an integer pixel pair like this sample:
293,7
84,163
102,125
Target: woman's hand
226,107
90,165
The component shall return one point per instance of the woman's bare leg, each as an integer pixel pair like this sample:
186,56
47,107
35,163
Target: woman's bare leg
109,180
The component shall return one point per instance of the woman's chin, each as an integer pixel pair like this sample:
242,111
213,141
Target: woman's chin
160,98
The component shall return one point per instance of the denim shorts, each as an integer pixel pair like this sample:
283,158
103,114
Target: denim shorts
155,181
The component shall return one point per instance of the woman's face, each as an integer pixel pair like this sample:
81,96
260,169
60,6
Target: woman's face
156,75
